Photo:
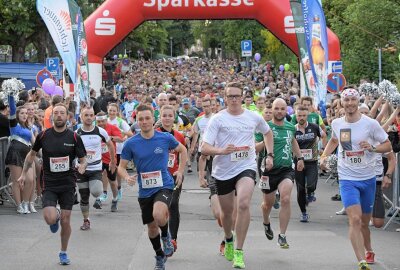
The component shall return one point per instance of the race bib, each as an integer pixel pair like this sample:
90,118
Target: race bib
151,179
171,160
241,153
355,158
104,148
59,164
264,182
306,153
90,156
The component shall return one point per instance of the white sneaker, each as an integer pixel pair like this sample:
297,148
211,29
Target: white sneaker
32,207
25,206
341,212
20,209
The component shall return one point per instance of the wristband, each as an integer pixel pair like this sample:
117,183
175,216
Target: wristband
271,155
300,158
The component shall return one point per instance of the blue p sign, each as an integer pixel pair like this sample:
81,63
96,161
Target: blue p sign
246,45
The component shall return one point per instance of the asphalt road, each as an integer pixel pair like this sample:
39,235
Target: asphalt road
119,240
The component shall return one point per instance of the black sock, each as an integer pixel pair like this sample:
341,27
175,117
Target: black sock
229,239
105,192
164,230
119,187
157,245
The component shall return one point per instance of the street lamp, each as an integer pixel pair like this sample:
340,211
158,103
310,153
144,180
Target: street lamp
387,48
151,53
170,39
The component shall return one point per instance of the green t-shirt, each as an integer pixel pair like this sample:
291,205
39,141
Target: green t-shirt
283,136
312,118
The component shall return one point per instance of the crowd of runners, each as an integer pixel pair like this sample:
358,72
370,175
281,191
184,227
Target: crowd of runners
246,129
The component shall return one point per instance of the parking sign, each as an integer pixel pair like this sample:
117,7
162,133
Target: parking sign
53,65
247,48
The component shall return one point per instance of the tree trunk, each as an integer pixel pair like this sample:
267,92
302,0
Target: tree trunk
18,52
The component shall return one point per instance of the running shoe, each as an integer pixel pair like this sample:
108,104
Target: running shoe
304,217
25,206
168,247
341,212
160,262
229,250
97,204
276,203
370,257
222,248
86,225
238,259
119,196
175,244
189,169
32,207
311,198
363,265
103,197
268,232
114,207
20,209
64,260
336,197
282,241
54,227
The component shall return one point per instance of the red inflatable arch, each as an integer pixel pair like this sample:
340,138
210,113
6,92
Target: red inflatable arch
115,19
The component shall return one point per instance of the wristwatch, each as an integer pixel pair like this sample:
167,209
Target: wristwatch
373,148
271,155
300,158
389,175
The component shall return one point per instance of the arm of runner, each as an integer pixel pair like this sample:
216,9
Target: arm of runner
391,167
376,106
30,158
298,155
194,141
269,142
182,163
330,147
82,165
210,150
113,162
124,174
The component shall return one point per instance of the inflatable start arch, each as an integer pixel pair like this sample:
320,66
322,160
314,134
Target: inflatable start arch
115,19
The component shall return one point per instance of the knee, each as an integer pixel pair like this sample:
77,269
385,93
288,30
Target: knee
243,205
97,189
160,217
50,219
378,222
285,200
65,221
355,221
84,196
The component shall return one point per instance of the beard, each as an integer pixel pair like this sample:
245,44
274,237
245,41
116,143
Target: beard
278,117
60,123
302,122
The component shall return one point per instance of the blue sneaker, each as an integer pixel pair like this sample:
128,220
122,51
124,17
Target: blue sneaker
103,197
119,197
64,260
168,247
160,262
304,217
54,227
311,198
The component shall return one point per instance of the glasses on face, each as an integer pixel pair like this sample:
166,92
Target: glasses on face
231,97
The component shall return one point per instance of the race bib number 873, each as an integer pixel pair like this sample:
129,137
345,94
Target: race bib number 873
151,179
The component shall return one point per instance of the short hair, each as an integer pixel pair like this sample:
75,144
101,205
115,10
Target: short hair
113,105
167,107
172,98
144,107
301,108
56,99
60,104
306,98
234,85
101,113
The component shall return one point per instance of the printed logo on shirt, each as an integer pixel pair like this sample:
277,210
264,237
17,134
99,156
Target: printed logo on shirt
158,150
345,138
69,144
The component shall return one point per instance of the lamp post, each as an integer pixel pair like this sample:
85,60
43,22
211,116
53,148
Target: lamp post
170,39
388,48
151,53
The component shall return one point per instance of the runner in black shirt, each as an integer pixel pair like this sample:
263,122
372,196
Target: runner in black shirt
60,146
307,135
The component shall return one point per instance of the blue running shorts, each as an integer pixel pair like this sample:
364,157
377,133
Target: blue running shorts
358,192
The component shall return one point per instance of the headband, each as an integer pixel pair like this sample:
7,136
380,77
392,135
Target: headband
350,92
101,117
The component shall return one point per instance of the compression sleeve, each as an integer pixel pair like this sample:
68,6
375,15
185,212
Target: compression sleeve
13,107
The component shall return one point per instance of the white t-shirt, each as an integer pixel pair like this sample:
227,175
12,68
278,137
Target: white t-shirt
92,141
129,107
124,127
225,128
353,162
200,127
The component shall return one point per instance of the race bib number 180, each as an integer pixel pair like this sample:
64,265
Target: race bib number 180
151,179
355,158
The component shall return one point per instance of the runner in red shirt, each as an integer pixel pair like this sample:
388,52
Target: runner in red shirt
167,116
108,176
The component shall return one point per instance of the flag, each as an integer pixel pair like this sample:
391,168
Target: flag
316,37
55,15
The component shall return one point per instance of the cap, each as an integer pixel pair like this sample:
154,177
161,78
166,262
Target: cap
185,101
350,92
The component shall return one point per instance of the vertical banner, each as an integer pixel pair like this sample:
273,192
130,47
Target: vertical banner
55,15
81,92
297,12
317,46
